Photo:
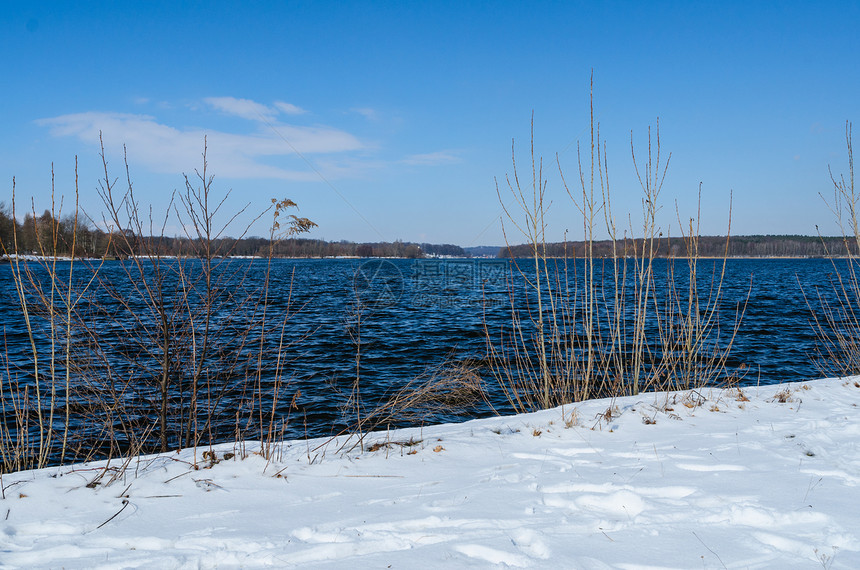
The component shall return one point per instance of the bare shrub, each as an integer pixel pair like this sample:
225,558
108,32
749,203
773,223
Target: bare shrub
139,356
584,326
835,307
35,391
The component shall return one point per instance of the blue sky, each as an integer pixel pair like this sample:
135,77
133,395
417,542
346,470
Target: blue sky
391,120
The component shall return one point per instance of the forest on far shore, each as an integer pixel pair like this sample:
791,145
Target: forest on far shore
706,246
35,236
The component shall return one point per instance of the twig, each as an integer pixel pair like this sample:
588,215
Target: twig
178,476
124,505
711,551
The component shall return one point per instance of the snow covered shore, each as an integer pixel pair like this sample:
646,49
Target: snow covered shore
764,478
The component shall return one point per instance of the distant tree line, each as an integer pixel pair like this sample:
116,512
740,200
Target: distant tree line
36,235
708,246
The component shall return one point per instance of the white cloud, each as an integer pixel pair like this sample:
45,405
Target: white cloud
251,110
366,112
244,108
166,149
432,158
289,108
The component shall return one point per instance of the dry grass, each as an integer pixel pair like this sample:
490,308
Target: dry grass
784,396
446,389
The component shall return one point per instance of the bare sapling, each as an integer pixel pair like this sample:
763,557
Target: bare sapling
651,182
138,355
693,354
273,428
835,312
354,401
588,326
47,299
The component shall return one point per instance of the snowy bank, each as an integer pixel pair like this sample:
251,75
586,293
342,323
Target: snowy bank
764,478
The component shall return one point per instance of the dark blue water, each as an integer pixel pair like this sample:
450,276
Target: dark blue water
402,317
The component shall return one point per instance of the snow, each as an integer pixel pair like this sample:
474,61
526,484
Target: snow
34,257
703,479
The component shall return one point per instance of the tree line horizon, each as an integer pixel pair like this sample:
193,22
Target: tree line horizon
34,234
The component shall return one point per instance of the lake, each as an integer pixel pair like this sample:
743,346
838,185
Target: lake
415,315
